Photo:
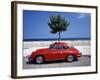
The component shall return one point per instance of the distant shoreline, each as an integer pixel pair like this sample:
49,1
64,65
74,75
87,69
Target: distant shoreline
52,39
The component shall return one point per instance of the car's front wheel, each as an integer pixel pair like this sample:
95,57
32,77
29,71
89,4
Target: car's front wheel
70,58
39,59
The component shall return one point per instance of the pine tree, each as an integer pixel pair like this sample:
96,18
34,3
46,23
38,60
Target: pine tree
58,24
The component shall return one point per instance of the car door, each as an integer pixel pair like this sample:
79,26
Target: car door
57,52
61,52
53,53
64,51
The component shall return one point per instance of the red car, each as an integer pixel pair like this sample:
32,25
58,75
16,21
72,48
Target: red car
56,51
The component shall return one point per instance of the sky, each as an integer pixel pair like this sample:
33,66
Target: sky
35,24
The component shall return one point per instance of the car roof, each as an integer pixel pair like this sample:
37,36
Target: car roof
60,43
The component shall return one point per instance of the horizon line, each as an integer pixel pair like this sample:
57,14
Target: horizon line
51,39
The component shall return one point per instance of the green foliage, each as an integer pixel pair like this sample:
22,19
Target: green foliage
58,24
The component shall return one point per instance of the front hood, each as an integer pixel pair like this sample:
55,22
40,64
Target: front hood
42,50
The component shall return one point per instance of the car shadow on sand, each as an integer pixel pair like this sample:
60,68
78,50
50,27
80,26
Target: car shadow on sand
50,62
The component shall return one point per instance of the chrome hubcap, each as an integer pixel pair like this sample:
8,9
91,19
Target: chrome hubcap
70,58
39,59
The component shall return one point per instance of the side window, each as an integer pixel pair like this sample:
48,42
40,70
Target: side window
58,47
62,47
52,46
55,47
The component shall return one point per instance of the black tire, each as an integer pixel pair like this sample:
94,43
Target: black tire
39,59
70,58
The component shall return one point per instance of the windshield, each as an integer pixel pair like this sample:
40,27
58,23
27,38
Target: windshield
51,46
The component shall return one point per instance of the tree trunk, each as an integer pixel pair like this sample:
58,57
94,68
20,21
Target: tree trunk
59,37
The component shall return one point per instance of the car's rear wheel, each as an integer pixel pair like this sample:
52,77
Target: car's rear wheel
39,59
70,58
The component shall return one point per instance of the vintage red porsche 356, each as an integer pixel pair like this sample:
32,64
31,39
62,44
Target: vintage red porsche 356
56,51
